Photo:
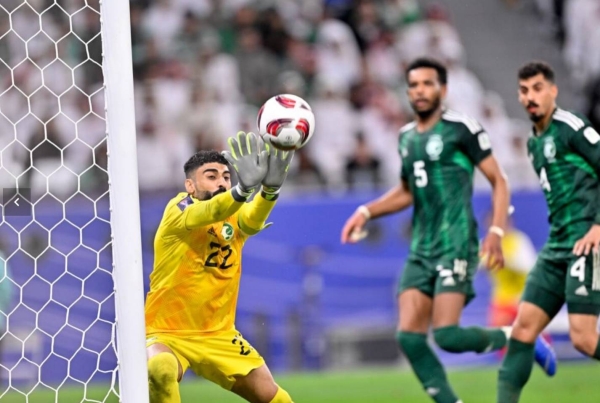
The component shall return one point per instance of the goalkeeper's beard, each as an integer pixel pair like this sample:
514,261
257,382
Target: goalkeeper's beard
206,195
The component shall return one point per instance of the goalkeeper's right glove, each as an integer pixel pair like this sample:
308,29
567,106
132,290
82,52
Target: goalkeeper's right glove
248,156
279,164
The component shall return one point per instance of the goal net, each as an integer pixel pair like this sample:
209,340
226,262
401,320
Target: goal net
69,235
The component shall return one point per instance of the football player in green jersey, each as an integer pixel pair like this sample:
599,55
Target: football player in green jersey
440,151
565,152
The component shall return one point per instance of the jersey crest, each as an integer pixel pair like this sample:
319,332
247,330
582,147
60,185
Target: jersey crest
227,231
434,147
550,149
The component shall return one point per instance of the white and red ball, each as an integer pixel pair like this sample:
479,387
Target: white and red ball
286,121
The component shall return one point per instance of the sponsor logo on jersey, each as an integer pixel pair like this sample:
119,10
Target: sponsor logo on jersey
434,147
550,150
227,231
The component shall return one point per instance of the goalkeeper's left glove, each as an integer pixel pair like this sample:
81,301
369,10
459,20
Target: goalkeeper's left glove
279,164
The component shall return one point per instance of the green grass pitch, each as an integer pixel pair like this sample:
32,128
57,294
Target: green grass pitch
573,383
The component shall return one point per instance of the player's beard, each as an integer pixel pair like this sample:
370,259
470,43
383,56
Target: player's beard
206,195
426,114
534,117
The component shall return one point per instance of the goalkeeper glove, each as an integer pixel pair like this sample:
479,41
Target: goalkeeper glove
279,163
248,155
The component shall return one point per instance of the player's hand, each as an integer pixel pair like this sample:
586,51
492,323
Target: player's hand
353,230
591,241
279,164
248,156
491,252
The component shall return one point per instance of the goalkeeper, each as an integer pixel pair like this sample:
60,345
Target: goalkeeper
190,309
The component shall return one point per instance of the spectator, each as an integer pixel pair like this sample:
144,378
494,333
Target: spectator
257,67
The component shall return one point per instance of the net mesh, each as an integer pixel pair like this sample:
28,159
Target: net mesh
56,286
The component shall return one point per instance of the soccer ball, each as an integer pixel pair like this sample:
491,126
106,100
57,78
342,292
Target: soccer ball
286,121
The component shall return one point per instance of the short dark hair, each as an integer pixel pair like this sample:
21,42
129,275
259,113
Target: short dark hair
201,158
427,62
534,68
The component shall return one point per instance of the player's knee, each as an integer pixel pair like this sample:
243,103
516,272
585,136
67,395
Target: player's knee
584,343
524,331
448,338
163,371
282,397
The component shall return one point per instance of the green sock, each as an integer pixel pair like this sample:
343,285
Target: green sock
426,366
515,371
461,339
597,352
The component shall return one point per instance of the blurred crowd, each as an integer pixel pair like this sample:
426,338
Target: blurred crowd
576,24
202,68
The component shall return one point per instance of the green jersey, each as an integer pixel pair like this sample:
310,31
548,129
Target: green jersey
566,157
438,166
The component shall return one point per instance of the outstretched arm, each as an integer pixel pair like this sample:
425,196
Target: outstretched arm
248,156
395,200
202,213
253,215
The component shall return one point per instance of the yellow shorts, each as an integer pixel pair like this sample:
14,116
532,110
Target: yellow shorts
218,358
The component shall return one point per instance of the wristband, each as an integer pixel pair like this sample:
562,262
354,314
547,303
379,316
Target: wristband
239,194
270,194
364,211
494,229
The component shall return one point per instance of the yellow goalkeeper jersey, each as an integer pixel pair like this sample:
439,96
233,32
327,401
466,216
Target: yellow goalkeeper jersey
519,256
196,277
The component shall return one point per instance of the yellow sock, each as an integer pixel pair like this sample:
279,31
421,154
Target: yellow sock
162,377
281,397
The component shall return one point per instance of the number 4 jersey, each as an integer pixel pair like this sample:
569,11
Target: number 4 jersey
438,166
566,157
195,282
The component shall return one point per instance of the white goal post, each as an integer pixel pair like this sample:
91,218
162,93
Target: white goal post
124,200
71,277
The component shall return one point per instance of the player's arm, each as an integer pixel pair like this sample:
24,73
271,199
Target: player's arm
396,199
586,142
476,144
500,193
491,247
248,156
253,215
188,213
202,213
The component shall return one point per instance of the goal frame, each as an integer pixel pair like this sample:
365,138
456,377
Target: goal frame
117,67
